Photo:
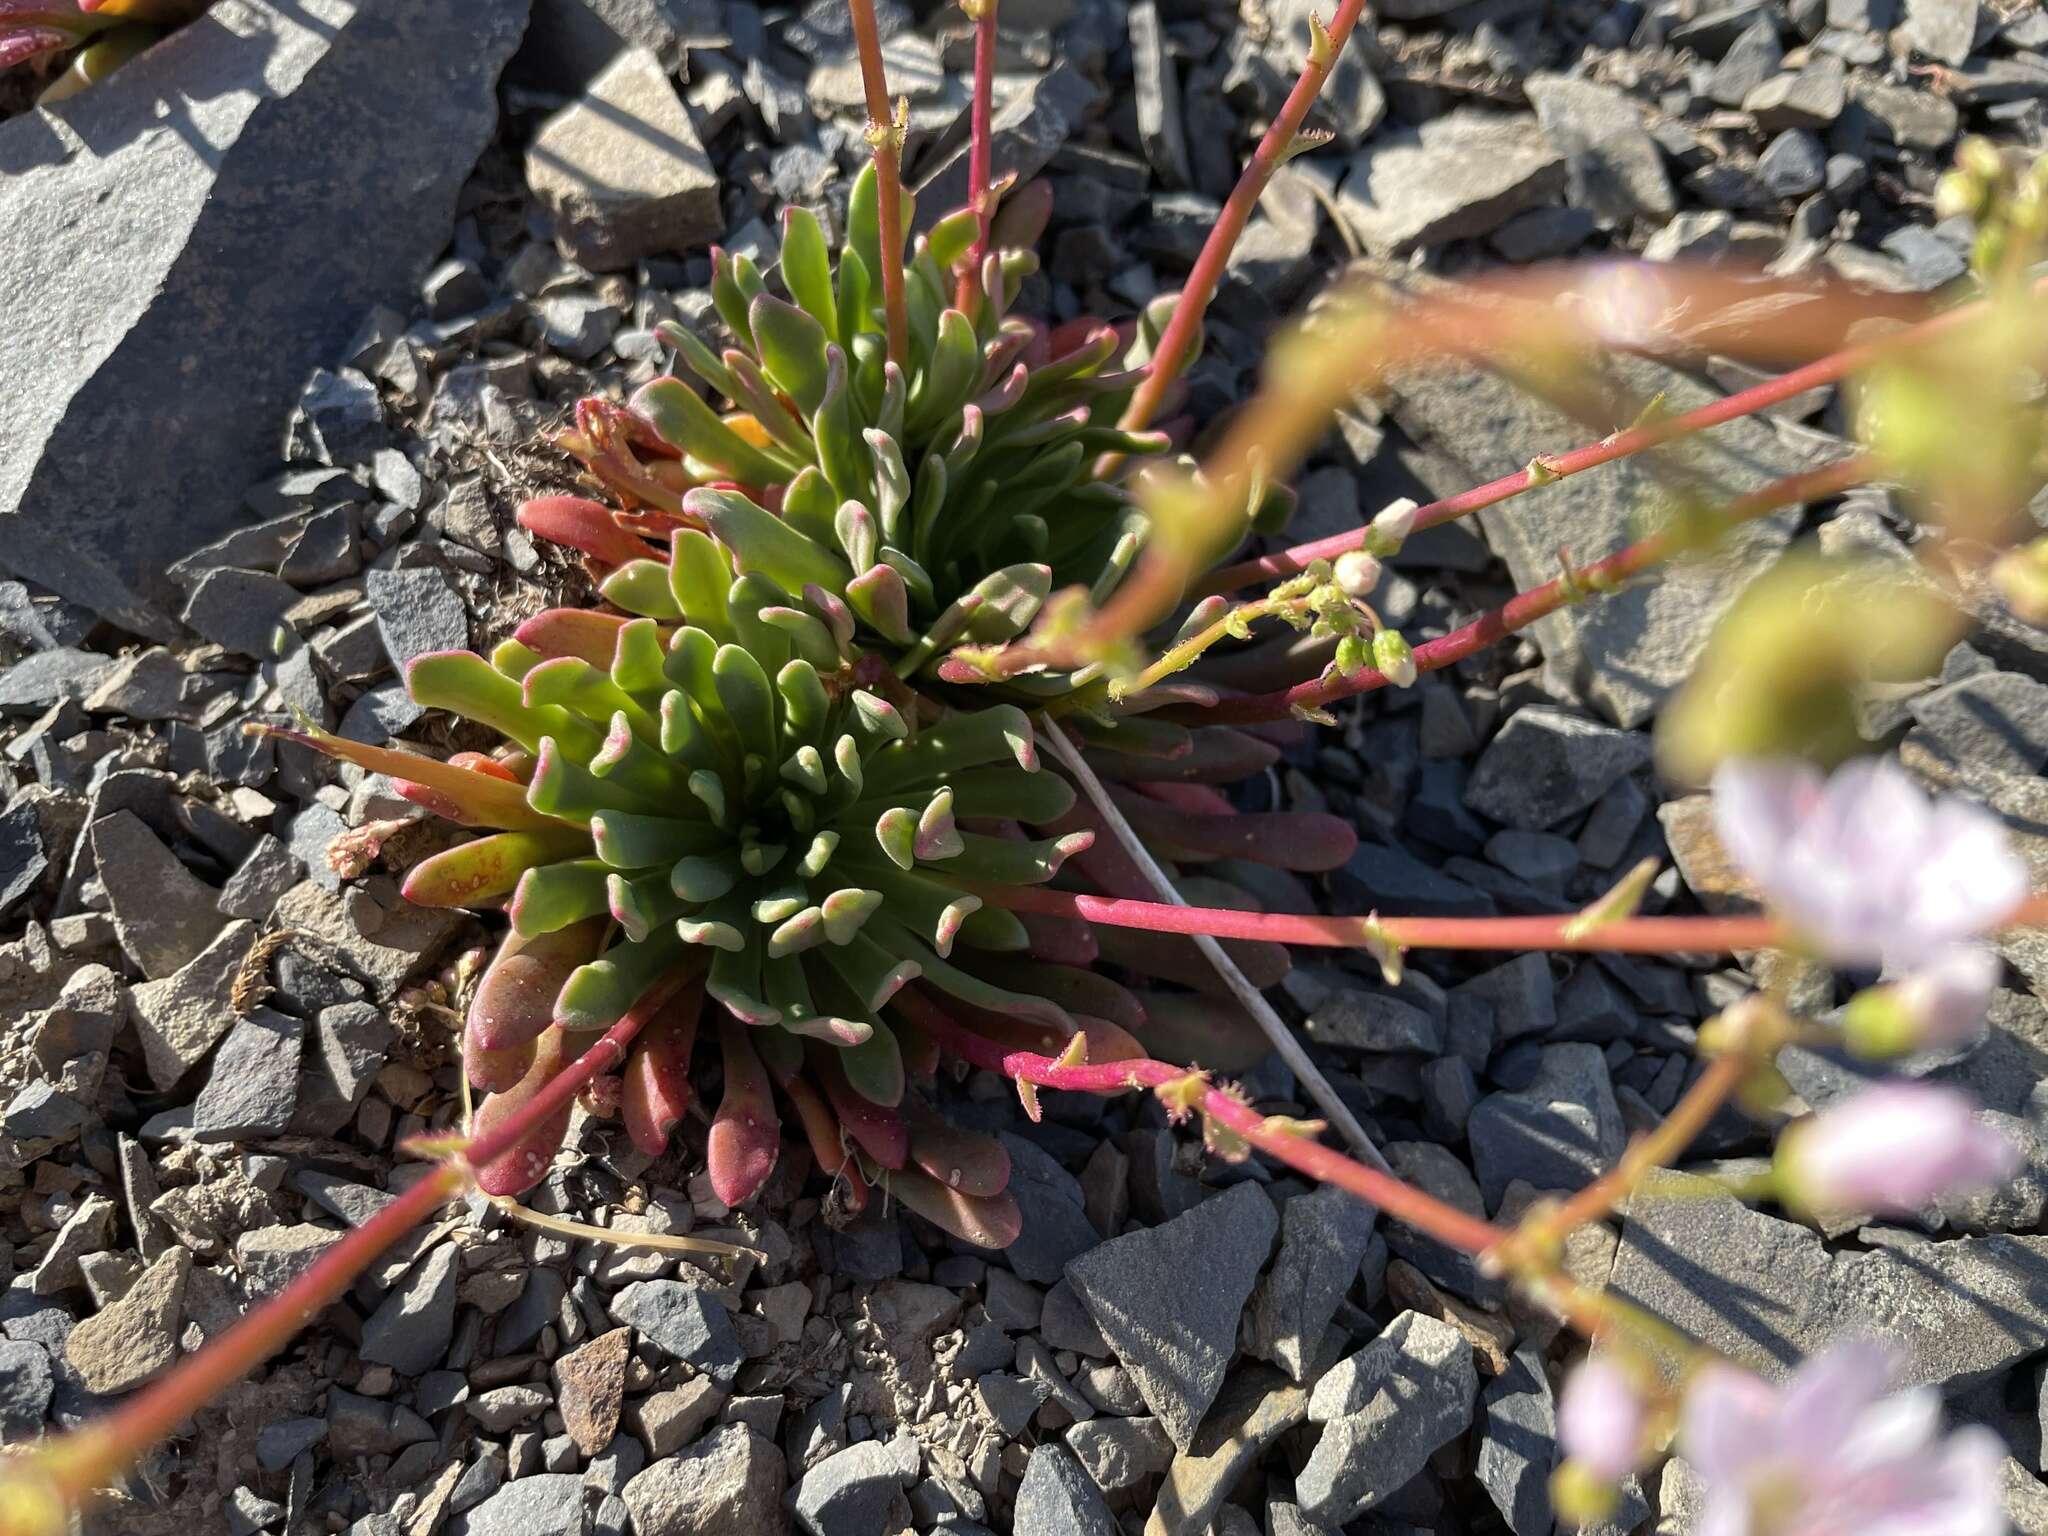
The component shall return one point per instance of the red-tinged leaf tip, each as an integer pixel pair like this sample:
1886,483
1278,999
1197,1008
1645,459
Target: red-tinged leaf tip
583,525
578,632
525,1163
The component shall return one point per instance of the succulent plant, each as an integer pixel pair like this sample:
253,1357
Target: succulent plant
721,809
947,501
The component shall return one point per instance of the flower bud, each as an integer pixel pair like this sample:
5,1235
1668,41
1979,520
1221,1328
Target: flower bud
1352,655
1358,573
1896,1148
1959,195
1600,1421
1581,1497
1978,156
1940,1003
1390,529
1392,656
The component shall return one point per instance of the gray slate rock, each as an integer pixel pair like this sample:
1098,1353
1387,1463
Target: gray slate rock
621,169
417,612
730,1481
1613,166
1056,1226
685,1322
1457,177
859,1488
1518,1445
411,1328
1057,1498
1324,1235
22,858
1987,723
26,1382
1546,765
239,262
1768,1293
1560,1132
254,1085
1626,652
548,1501
1025,132
1358,1020
163,914
1168,1300
1383,1411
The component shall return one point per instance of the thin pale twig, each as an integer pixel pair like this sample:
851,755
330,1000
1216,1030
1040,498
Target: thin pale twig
1305,1071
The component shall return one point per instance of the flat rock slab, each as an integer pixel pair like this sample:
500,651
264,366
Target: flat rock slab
203,230
622,171
1168,1300
1768,1293
1624,652
1457,177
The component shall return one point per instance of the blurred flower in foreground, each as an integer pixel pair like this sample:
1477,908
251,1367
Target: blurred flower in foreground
1897,1148
1940,1003
1601,1428
1787,665
1863,864
1600,1420
1829,1454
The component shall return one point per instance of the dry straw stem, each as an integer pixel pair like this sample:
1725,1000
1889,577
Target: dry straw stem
1305,1071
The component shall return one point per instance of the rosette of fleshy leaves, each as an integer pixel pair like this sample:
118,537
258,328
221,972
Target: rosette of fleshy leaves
947,500
107,33
732,817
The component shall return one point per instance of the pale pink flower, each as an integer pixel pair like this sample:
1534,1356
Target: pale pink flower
1829,1454
1600,1420
1944,998
1898,1147
1863,863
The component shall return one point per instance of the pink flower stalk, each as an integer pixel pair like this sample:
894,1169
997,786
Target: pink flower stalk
1601,1420
1863,863
1829,1454
1897,1148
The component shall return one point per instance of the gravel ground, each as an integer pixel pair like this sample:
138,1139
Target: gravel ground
211,1046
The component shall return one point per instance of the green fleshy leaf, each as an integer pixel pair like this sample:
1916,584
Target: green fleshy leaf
950,979
683,421
950,238
699,574
730,296
874,1068
763,542
552,896
875,974
931,910
806,705
749,701
464,684
856,296
993,928
807,266
1006,861
597,995
704,877
643,906
792,345
1010,600
836,426
629,841
735,980
879,596
998,733
564,787
700,359
767,643
810,507
637,656
896,836
808,635
892,484
758,398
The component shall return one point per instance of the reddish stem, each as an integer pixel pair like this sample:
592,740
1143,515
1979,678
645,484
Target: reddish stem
1399,1200
1827,370
1179,338
980,154
1636,935
91,1457
1523,609
888,178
